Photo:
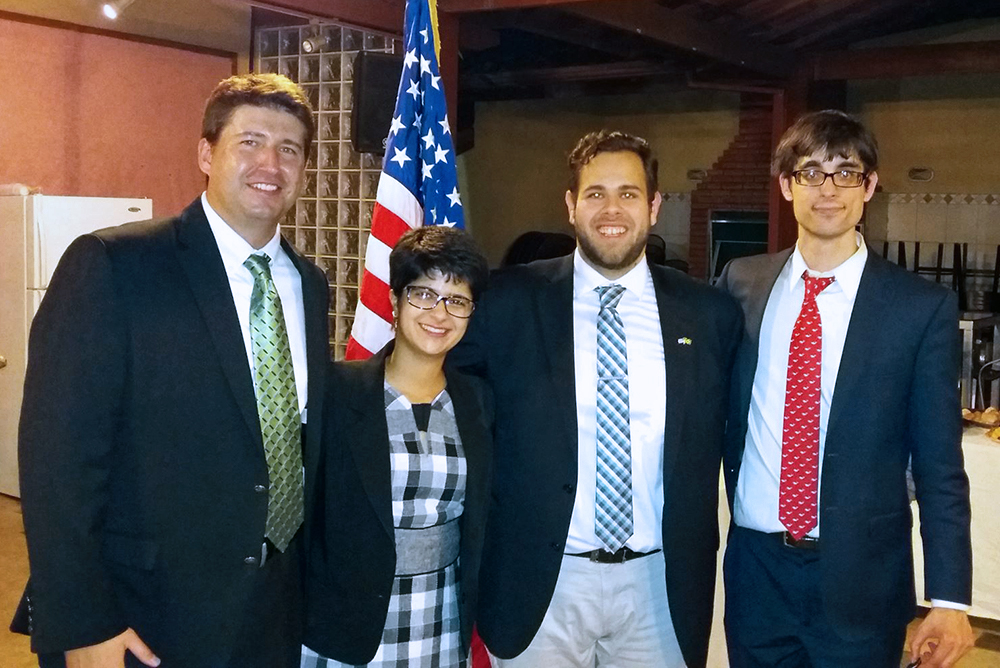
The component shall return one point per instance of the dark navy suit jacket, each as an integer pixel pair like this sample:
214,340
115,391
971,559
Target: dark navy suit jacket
896,397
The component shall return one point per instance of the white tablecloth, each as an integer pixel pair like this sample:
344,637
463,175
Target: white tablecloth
982,463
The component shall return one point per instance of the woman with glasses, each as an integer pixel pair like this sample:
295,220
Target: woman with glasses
394,545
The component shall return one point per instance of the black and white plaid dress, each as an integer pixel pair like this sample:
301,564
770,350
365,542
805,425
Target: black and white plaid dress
422,627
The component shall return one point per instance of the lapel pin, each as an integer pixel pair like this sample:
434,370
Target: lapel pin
684,341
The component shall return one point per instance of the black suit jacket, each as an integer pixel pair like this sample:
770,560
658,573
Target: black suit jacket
896,397
140,448
521,340
352,554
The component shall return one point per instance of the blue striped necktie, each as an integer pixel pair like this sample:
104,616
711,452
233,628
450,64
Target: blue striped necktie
613,516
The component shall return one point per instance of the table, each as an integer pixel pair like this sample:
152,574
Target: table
982,463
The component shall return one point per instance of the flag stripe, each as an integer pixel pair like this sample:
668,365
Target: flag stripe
395,197
371,332
377,259
373,296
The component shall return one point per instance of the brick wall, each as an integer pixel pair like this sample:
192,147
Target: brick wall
739,179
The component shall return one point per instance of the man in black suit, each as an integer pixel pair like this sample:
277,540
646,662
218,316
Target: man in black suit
161,441
848,371
602,535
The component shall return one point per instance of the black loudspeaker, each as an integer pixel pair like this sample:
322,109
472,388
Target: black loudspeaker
376,79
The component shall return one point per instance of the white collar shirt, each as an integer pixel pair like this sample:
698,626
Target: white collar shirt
647,408
235,250
756,502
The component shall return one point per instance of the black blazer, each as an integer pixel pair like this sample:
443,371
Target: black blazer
352,553
140,447
521,342
896,397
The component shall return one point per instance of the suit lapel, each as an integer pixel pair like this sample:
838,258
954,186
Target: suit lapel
368,435
554,310
471,428
314,302
199,257
874,295
681,362
759,291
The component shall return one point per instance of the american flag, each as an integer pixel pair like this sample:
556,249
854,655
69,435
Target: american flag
418,185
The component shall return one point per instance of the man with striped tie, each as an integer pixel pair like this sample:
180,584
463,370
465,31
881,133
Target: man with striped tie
610,376
848,370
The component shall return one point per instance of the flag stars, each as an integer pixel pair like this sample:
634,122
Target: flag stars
426,169
397,125
410,58
454,197
434,82
423,33
440,155
401,157
414,89
425,65
445,126
429,139
447,223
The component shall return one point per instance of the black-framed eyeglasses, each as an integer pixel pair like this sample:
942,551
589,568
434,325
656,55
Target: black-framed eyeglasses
843,178
425,299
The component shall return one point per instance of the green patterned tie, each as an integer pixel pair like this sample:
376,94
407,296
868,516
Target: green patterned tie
277,405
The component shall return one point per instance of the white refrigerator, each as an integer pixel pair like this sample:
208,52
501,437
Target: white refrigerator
35,230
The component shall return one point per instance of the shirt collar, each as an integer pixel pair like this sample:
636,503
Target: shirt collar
234,248
848,274
586,278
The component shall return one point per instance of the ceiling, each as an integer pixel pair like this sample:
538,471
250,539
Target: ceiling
529,48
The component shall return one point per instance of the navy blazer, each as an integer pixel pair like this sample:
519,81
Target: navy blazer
143,474
896,397
351,555
521,342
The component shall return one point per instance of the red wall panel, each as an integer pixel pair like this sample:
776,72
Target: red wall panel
99,115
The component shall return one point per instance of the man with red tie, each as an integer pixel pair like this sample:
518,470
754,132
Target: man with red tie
847,372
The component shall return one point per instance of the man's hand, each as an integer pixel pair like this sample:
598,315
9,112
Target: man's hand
111,653
942,638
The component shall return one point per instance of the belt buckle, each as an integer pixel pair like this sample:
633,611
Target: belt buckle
804,543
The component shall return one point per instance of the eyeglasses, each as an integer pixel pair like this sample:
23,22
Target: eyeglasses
427,299
844,178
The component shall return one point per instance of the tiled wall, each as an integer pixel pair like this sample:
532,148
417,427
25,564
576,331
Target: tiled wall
933,218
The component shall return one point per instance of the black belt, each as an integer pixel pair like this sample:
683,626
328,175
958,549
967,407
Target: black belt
620,557
804,543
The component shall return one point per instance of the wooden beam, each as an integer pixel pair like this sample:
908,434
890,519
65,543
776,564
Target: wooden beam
908,61
570,74
676,29
384,15
464,6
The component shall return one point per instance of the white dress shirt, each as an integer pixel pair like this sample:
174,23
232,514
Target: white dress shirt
647,382
235,250
756,503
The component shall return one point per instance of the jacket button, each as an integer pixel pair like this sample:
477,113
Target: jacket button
555,547
569,489
250,561
260,489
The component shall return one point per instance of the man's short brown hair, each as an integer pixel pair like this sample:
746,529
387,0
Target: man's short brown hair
608,141
833,131
273,91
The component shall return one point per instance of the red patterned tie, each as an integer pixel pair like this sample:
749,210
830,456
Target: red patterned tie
800,429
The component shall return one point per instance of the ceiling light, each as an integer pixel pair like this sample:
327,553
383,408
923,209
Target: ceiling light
315,44
113,9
